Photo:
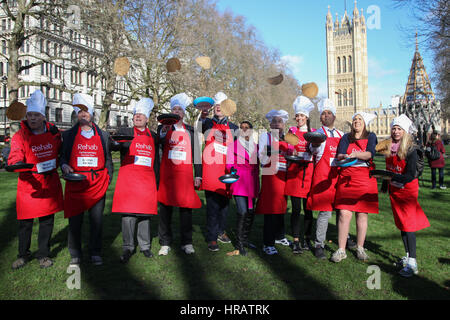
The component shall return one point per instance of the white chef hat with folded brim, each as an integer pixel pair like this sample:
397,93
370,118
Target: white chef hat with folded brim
144,106
182,100
219,98
405,123
83,101
326,104
37,102
302,105
284,115
367,117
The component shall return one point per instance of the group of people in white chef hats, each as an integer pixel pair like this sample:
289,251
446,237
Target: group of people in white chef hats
161,170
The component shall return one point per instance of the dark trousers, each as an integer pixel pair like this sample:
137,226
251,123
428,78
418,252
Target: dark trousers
95,234
45,233
129,230
165,228
409,241
433,177
272,225
295,220
216,215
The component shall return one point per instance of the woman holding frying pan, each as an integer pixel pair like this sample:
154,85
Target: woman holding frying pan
401,159
355,189
39,191
299,176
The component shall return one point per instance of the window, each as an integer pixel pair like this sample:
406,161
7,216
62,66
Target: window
47,112
58,115
339,98
4,47
4,25
125,121
27,63
350,64
344,65
118,121
350,97
345,97
338,65
1,68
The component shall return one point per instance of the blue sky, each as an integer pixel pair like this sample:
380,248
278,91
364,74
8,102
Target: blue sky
297,29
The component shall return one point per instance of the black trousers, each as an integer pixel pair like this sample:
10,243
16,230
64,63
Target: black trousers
95,236
216,215
295,220
433,176
45,233
272,226
165,225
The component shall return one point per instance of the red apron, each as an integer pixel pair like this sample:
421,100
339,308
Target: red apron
355,190
87,158
271,198
299,177
39,193
323,186
176,183
136,190
408,214
214,159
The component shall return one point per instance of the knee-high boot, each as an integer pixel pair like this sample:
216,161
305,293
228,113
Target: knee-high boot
240,235
248,222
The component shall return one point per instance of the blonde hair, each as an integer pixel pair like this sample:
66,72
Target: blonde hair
406,143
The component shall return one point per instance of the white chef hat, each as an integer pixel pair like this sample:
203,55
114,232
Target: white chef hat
144,106
367,117
277,113
403,122
326,104
37,102
303,105
181,100
219,97
82,99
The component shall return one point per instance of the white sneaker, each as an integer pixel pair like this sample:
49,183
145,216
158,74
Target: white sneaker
270,250
361,254
188,249
443,187
284,242
164,251
338,255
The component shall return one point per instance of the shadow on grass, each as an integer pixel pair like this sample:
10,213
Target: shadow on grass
416,287
9,227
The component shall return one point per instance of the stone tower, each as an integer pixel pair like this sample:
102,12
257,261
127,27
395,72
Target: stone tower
347,63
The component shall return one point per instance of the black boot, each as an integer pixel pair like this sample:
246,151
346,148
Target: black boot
240,235
248,222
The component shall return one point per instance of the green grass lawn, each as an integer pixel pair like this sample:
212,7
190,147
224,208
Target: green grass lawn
214,275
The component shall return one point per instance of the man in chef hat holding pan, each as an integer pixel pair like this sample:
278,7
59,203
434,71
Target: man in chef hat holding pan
39,191
139,170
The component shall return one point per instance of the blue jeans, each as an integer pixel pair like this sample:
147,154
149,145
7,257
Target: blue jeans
433,177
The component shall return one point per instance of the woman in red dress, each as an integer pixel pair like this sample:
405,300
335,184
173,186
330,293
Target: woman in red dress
356,191
39,191
272,201
401,159
438,164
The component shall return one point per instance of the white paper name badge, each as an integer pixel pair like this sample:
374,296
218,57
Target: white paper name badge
177,155
143,161
281,166
220,148
305,156
46,166
87,161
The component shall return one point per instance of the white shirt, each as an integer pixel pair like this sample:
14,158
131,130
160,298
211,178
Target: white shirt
318,151
87,134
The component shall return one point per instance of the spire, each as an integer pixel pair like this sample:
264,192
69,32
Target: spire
355,11
418,89
337,21
329,16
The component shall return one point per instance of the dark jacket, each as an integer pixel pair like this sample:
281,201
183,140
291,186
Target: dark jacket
67,145
439,163
124,146
195,147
